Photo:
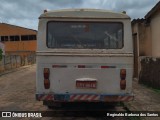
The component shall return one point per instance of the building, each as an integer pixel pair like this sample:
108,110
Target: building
18,45
17,40
153,20
146,37
141,41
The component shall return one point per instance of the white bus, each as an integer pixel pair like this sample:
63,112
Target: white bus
84,55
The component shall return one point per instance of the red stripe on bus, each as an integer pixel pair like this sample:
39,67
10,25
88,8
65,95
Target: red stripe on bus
104,66
59,66
93,98
81,66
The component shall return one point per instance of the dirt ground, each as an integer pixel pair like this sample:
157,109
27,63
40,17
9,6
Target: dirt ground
17,92
145,99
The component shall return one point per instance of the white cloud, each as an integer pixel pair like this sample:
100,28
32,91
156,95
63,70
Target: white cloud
26,13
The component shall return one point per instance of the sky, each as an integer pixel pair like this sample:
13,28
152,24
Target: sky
25,13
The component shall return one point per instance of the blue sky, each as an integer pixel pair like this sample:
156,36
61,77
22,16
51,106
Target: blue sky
25,13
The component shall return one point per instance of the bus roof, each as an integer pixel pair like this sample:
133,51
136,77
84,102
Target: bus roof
84,13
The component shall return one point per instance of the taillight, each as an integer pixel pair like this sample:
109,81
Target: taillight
123,79
46,73
123,74
123,84
46,83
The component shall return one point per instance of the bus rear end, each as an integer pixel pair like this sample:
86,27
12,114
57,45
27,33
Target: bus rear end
84,59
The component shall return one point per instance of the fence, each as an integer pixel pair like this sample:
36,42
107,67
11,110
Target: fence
14,61
150,72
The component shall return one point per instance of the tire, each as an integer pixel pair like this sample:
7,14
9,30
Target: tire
50,107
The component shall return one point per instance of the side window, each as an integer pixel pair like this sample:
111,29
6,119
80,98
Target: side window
14,38
24,37
28,37
4,38
32,37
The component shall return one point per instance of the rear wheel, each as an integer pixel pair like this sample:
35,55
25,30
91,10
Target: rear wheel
50,107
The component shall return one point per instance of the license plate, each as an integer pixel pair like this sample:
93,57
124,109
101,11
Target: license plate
86,84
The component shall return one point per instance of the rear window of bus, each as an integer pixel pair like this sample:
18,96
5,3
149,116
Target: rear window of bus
85,35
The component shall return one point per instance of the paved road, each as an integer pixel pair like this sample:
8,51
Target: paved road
17,93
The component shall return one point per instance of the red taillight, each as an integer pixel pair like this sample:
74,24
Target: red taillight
59,66
123,74
123,84
46,73
46,83
123,79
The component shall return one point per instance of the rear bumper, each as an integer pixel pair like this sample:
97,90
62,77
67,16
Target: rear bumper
84,97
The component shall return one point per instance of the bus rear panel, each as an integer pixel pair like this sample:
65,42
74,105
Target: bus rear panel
82,59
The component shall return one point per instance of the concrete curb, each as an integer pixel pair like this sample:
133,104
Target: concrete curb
16,69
